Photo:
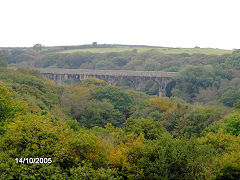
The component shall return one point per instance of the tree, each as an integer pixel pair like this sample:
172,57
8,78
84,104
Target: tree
162,104
193,78
232,123
225,164
93,81
38,47
73,100
94,44
195,121
150,128
99,113
3,63
237,104
169,158
32,136
9,107
229,96
233,61
88,172
207,95
121,100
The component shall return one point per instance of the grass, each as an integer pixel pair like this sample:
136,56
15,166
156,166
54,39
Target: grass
104,50
207,51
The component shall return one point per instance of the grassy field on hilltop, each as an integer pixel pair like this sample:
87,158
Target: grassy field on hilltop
207,51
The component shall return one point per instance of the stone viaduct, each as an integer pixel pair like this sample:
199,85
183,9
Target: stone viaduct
137,78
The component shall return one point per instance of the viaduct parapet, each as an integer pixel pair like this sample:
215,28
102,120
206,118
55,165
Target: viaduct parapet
137,78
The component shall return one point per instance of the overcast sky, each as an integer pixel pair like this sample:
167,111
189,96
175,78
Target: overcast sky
172,23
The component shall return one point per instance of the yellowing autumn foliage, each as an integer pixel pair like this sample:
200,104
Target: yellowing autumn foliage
125,154
221,141
227,165
93,81
162,104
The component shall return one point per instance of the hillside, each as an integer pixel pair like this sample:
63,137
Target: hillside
90,129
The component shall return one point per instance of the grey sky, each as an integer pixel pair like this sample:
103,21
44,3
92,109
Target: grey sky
175,23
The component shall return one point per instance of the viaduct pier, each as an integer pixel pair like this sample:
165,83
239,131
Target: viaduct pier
137,78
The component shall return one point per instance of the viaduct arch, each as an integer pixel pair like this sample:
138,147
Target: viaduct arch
137,78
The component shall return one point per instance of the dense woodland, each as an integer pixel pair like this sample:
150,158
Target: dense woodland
93,130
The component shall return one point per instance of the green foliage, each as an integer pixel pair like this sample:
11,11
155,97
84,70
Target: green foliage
38,120
150,128
172,69
162,104
150,87
232,123
228,172
144,111
223,71
86,147
221,142
88,173
3,63
233,61
226,164
171,119
191,79
73,100
32,136
195,121
99,113
93,81
9,107
115,96
229,97
9,169
30,82
237,104
207,96
47,61
168,158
